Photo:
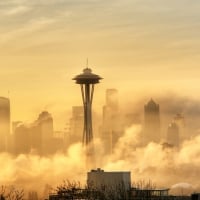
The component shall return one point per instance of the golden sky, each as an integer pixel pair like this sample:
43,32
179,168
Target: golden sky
137,46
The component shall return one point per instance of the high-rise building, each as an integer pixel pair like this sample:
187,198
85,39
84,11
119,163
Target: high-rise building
45,122
111,129
151,132
4,123
179,119
15,124
112,98
37,137
76,125
22,140
13,147
45,127
173,134
176,130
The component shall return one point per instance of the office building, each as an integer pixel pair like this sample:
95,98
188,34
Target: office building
44,124
4,123
111,128
173,134
151,131
75,133
113,180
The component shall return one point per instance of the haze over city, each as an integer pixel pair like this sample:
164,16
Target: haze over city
144,50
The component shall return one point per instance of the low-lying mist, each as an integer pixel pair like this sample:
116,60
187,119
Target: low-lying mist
33,172
164,166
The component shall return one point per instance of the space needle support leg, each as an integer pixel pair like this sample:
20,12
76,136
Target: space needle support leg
91,99
83,96
92,93
84,110
88,111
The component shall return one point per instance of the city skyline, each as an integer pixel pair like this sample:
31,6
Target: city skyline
43,43
148,53
127,148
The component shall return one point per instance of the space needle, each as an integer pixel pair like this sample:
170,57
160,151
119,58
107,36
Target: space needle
87,80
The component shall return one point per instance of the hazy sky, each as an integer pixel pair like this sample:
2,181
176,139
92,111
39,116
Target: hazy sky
138,46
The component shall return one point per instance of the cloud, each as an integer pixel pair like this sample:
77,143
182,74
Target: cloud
165,167
16,11
134,22
31,27
32,172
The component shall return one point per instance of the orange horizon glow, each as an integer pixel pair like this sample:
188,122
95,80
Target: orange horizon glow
142,48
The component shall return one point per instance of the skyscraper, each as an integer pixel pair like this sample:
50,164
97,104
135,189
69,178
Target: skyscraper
4,123
151,132
173,134
45,121
179,119
45,127
22,140
112,98
37,137
76,125
111,130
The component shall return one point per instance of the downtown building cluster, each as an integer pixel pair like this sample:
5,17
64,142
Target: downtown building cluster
41,138
19,138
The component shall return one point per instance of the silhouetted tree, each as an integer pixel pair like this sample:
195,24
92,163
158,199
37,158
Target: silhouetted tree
142,184
11,193
73,190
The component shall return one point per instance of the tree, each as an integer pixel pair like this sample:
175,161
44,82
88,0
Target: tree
73,190
11,193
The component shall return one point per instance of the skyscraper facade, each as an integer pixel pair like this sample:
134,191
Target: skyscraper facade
76,125
179,119
44,124
22,140
173,134
4,123
36,137
151,132
111,129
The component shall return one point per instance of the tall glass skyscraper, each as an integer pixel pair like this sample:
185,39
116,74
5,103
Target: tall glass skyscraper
4,123
151,122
